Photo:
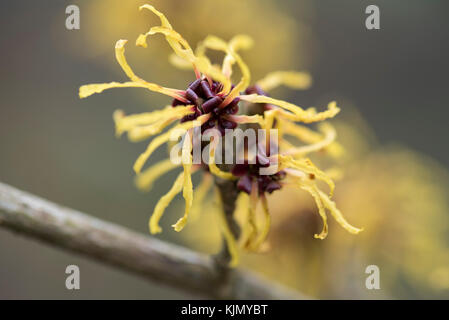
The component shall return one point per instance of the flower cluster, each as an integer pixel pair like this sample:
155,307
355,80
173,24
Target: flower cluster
212,101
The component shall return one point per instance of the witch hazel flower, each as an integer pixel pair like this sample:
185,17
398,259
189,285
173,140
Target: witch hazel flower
213,101
205,103
254,184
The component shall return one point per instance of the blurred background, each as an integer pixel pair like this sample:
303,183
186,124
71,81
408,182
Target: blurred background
390,84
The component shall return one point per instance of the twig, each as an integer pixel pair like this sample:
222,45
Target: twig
123,248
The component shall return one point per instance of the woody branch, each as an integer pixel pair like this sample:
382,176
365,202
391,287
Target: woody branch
120,247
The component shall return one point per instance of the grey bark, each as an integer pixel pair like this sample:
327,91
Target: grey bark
120,247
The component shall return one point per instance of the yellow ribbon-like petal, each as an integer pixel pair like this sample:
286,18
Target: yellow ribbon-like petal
313,190
120,56
292,79
187,184
295,113
164,20
215,43
240,214
165,137
179,62
323,202
200,193
212,165
338,216
253,200
163,203
264,232
136,81
308,167
142,133
183,50
325,139
246,119
154,119
90,89
312,115
325,142
227,233
179,45
145,180
177,42
238,42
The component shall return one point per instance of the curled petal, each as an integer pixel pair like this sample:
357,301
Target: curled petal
330,205
329,136
292,79
213,167
165,137
164,20
120,56
216,43
227,233
200,195
179,63
255,98
136,81
154,144
187,184
183,50
335,173
241,42
89,89
124,123
145,180
240,213
242,85
313,116
313,190
264,233
246,119
295,113
141,133
214,72
202,64
293,173
324,140
179,45
308,167
269,116
163,203
323,202
253,199
238,42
